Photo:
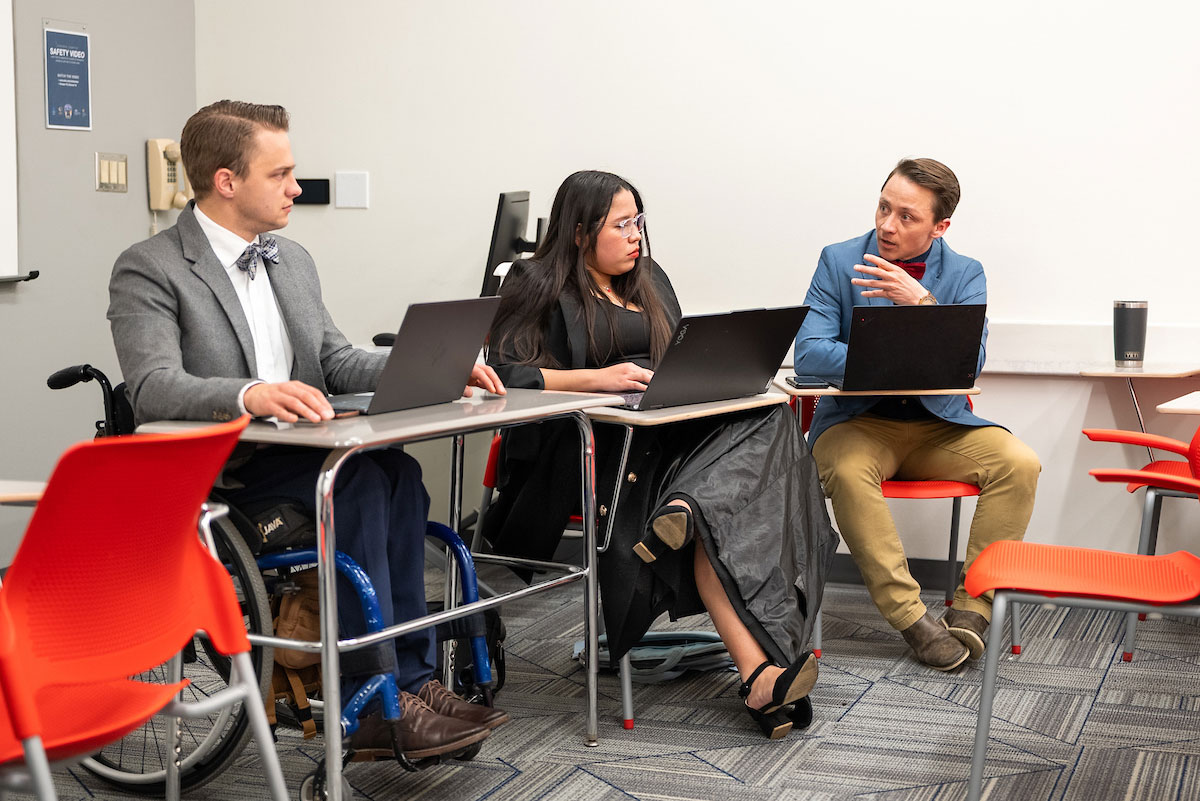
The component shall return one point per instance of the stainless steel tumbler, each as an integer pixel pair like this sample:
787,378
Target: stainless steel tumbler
1129,332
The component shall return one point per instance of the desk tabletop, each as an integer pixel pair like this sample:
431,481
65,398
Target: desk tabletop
1090,369
21,493
1186,404
427,422
677,414
782,384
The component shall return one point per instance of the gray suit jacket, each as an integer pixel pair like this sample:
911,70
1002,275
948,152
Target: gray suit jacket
184,343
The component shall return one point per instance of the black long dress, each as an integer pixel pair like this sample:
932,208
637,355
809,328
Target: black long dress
748,478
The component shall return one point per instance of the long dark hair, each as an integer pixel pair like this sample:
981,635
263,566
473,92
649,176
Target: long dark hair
581,204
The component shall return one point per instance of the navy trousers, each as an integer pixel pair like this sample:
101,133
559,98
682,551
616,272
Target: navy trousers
380,510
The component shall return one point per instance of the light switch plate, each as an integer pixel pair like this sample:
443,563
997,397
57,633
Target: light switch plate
351,190
111,172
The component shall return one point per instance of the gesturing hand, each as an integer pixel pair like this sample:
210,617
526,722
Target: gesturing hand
288,401
888,281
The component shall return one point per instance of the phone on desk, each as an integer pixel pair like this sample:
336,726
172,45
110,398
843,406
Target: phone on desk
807,382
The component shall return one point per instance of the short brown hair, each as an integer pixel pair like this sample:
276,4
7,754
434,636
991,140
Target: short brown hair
220,135
934,176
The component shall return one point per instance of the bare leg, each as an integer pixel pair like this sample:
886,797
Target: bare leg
747,654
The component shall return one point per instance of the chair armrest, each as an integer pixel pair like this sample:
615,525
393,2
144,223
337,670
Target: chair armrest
1136,438
1178,483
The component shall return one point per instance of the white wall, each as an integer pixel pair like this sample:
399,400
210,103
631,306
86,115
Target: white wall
69,231
758,132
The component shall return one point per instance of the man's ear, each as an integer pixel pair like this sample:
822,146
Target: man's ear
224,182
939,230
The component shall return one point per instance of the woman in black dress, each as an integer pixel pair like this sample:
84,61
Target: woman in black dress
726,515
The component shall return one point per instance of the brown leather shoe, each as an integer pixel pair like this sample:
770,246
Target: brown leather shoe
933,645
969,628
450,705
418,734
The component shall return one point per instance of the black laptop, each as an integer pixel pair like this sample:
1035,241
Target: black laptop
715,357
431,359
913,347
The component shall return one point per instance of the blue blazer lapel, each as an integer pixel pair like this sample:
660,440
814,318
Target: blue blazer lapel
206,267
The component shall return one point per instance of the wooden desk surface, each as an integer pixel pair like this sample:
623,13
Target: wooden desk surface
782,384
21,493
427,422
1186,404
1147,370
677,414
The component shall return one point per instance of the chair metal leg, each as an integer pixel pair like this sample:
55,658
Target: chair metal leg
1147,541
626,692
984,721
244,671
174,741
952,559
817,636
39,769
1014,617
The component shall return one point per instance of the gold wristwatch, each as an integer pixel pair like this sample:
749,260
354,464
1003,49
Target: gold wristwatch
928,300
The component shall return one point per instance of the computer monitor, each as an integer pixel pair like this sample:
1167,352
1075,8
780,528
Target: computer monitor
508,237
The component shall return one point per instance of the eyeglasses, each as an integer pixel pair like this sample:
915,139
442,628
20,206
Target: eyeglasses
627,227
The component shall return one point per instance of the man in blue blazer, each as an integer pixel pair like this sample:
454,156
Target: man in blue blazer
859,442
212,318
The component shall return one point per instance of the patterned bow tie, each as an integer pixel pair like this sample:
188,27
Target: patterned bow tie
267,250
914,268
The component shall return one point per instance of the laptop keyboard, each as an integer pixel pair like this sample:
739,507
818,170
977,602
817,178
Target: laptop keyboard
351,403
631,400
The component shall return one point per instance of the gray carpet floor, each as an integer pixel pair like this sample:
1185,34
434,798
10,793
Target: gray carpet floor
1072,722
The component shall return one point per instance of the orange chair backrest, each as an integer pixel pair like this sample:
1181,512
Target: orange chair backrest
111,577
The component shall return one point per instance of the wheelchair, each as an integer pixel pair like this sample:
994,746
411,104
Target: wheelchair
137,764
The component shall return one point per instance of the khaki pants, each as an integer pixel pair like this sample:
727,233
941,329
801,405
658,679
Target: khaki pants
855,456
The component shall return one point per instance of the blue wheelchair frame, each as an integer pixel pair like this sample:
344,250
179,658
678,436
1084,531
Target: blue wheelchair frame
384,684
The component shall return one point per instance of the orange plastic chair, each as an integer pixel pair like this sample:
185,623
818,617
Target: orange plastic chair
111,579
1025,572
1153,475
934,488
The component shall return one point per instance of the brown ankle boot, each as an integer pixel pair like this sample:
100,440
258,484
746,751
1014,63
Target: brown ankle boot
933,645
970,628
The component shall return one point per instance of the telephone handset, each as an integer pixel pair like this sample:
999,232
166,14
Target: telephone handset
166,176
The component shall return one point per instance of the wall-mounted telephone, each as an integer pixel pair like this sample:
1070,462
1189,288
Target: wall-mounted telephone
166,176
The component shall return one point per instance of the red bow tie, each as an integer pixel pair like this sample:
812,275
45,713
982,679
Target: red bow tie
914,268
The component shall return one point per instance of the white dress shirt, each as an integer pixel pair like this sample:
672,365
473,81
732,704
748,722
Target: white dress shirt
272,346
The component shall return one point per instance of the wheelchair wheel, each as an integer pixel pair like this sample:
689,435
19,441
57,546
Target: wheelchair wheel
137,763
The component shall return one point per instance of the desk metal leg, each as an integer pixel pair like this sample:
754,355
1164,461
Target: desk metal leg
591,586
330,658
450,596
1137,408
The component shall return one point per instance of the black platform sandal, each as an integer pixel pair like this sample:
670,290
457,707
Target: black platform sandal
801,713
671,529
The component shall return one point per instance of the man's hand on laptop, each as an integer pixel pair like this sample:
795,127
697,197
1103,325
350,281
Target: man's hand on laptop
288,402
888,281
484,377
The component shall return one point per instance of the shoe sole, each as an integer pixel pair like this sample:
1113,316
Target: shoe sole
974,643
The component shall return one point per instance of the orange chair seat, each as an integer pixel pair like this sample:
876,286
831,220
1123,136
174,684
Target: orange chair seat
1168,467
81,718
934,488
1087,572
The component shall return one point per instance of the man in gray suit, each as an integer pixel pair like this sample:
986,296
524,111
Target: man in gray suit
211,319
